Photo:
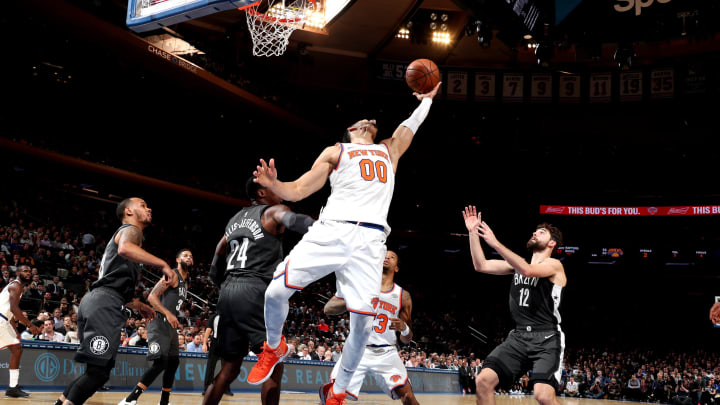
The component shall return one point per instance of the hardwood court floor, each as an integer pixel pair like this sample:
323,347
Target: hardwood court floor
290,398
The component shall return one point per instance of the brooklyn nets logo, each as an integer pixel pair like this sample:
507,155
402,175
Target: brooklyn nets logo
99,345
47,367
154,347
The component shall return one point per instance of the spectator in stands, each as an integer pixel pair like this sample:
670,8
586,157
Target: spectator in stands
613,390
57,318
320,352
49,334
195,345
140,340
634,386
48,304
181,342
26,335
682,393
71,336
304,353
596,390
6,277
311,350
571,388
124,339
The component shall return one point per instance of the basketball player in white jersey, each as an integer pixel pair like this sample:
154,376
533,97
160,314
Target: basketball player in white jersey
348,239
381,358
9,337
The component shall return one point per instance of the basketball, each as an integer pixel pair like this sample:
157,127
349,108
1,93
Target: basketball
422,75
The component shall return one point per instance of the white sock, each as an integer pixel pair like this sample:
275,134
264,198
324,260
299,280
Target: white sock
276,310
360,328
14,376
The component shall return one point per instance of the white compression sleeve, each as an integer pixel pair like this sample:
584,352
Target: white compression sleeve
418,116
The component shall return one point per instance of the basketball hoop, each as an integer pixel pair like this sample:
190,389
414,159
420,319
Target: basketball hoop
270,31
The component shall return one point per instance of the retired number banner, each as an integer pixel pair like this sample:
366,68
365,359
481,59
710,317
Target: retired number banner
630,211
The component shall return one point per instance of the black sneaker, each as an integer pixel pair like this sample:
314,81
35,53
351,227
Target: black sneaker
228,392
16,392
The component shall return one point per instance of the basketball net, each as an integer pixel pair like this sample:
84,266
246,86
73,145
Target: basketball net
271,31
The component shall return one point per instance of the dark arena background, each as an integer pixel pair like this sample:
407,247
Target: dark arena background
598,116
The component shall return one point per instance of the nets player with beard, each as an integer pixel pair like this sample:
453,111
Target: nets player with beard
381,358
9,336
163,346
102,311
252,248
535,294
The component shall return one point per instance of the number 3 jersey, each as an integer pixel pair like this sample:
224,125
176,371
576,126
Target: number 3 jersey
362,185
388,306
252,252
535,301
173,298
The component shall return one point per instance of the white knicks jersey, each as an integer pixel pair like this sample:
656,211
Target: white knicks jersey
5,310
389,304
362,185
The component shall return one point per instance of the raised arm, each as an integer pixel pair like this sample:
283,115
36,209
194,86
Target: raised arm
404,322
154,300
305,185
335,306
546,268
129,242
403,135
473,219
281,215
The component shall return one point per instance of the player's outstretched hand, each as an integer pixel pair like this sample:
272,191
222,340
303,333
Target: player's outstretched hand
472,218
430,94
265,174
715,313
487,234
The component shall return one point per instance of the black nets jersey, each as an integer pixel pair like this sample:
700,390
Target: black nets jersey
117,272
535,301
252,252
173,298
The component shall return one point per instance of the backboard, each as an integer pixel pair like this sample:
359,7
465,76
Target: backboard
147,15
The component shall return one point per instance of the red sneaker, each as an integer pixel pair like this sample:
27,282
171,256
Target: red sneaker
328,397
267,360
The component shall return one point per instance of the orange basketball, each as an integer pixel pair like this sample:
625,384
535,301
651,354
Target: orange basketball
422,75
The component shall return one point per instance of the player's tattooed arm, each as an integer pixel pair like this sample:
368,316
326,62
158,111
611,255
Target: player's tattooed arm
335,306
405,320
129,242
154,300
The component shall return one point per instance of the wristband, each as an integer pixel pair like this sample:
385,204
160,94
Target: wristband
406,331
418,116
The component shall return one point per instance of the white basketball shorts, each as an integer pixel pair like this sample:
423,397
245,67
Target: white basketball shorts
354,252
384,364
8,335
